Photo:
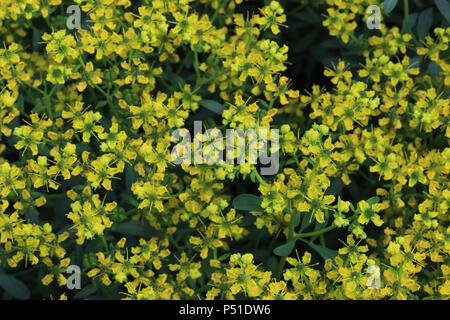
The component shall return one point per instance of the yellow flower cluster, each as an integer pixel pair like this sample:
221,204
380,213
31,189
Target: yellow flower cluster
86,123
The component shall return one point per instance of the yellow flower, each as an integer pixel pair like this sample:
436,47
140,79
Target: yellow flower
88,125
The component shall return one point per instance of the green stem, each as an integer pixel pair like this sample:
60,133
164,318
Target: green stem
259,178
104,242
130,212
219,7
174,243
103,92
407,23
322,240
296,160
291,236
406,16
196,67
315,233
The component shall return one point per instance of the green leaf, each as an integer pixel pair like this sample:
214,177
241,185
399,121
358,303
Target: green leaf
130,176
212,105
101,104
308,16
306,221
224,256
175,79
133,228
325,253
336,186
38,108
36,39
14,287
296,219
131,200
253,177
424,23
272,264
373,200
86,291
247,202
305,42
285,249
444,8
434,69
389,5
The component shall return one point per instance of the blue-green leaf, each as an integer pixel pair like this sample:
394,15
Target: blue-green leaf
412,21
212,105
247,202
130,176
285,249
444,8
325,253
424,23
434,69
14,287
133,228
389,5
86,291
